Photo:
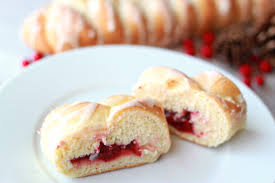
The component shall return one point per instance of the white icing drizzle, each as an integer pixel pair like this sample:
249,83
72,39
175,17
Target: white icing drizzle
62,120
233,112
68,32
168,21
58,114
150,23
91,34
111,26
224,6
228,98
116,109
85,113
138,19
154,7
36,25
128,8
95,7
212,74
138,103
149,102
90,110
255,9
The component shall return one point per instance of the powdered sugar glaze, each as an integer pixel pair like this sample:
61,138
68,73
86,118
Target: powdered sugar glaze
142,103
116,109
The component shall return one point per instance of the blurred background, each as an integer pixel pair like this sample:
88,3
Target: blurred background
12,48
13,51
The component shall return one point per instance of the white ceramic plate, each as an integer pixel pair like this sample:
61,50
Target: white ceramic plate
95,73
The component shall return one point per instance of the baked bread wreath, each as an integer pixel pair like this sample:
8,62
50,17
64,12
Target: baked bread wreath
68,24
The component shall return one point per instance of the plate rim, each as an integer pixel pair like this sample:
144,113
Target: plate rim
55,58
51,58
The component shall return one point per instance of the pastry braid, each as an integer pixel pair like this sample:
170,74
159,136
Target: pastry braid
68,24
207,109
86,138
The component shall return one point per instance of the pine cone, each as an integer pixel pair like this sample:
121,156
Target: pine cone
265,38
234,44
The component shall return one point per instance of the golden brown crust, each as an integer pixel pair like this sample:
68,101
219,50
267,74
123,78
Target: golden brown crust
113,169
59,22
224,91
217,84
134,23
161,30
191,23
210,93
143,104
156,22
213,83
206,13
76,129
226,14
244,10
109,29
33,31
110,108
262,10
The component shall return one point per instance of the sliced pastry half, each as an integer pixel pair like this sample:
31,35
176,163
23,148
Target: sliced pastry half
86,138
207,109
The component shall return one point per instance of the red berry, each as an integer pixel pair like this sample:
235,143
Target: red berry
265,66
188,43
245,69
37,56
208,37
188,46
190,51
247,81
259,80
206,51
25,63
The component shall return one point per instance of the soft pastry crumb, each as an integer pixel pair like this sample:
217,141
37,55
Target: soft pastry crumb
207,109
85,138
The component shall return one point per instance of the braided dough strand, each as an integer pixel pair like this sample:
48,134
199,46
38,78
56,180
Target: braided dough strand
68,24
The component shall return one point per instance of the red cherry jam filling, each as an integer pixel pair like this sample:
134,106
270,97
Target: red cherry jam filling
180,121
109,153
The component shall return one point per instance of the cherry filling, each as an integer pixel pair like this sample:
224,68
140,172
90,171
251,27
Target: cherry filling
109,153
180,121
